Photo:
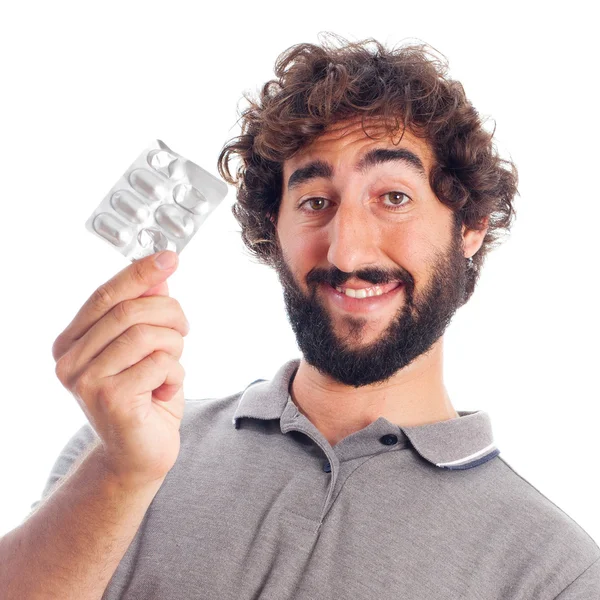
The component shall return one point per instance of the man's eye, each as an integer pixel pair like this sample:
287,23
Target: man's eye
398,199
315,203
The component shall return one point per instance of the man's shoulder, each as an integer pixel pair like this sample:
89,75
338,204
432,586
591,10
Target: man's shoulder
209,412
540,527
516,530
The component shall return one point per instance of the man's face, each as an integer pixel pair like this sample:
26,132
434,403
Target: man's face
351,228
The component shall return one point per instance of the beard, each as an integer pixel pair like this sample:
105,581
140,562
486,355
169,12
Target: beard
420,321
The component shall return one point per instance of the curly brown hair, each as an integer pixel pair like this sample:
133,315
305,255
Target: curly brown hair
318,86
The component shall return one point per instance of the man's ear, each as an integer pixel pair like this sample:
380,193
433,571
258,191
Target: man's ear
473,238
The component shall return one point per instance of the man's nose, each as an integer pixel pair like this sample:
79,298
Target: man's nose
353,238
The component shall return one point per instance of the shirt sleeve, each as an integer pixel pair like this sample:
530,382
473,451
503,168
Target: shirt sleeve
71,456
585,587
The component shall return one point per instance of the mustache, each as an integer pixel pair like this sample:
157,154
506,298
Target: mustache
336,278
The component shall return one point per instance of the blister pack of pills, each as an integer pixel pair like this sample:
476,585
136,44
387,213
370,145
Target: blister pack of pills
158,204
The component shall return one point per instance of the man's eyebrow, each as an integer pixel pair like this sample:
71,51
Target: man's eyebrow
320,168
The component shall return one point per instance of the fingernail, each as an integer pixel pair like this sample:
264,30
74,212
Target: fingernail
165,260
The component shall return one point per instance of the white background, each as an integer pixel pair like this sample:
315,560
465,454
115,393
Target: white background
87,88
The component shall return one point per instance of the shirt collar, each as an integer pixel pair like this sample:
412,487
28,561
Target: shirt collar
460,443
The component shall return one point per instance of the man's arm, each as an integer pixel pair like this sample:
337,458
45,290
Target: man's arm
70,547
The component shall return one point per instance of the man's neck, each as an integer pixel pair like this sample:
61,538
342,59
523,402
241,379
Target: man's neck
416,395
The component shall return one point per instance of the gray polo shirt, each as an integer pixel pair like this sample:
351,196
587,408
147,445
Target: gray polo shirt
259,505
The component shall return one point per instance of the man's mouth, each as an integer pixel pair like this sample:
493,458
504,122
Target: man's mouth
368,292
362,302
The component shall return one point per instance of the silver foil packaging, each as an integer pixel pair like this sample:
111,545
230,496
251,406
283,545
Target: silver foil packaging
158,204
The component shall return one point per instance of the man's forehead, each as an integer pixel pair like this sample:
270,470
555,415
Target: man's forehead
349,134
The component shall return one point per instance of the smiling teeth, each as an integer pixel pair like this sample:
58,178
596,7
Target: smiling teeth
364,293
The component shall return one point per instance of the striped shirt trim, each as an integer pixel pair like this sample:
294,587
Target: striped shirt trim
473,460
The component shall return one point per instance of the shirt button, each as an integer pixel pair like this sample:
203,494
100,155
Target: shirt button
389,440
327,468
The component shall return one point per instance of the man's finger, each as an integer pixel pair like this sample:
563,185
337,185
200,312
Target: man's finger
137,279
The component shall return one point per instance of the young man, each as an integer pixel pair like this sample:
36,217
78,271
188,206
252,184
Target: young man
369,183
